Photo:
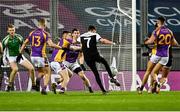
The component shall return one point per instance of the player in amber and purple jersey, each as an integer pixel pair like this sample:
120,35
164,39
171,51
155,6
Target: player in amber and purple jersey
38,40
163,39
58,56
72,58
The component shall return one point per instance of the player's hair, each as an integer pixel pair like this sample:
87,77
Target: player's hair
65,32
75,29
155,26
162,19
10,26
91,28
42,22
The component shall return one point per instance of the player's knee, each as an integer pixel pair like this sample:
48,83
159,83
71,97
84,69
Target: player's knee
31,69
66,80
15,69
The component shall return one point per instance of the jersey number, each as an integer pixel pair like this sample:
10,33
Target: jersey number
37,38
88,41
164,39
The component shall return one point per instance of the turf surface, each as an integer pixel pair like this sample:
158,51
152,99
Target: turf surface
87,101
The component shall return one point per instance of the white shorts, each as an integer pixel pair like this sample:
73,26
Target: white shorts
38,61
13,59
158,59
71,66
57,67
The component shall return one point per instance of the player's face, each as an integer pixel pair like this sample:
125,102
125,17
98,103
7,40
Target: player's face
76,34
11,31
94,31
159,24
68,36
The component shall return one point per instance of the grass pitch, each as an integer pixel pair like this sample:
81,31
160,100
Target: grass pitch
89,102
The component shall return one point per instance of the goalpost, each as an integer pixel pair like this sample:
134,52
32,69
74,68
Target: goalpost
127,38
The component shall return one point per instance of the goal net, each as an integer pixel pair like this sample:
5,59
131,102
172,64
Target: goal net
127,39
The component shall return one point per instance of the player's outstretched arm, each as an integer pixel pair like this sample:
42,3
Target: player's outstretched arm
105,41
53,45
75,48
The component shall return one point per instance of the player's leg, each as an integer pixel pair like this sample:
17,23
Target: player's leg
60,69
162,62
92,66
165,72
104,62
14,70
39,64
40,75
65,76
47,75
31,70
78,70
150,66
154,74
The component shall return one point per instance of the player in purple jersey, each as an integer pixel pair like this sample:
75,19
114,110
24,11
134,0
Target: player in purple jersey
165,70
163,39
58,56
71,61
38,40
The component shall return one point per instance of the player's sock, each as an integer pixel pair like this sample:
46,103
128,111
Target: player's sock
62,90
58,82
43,91
142,87
53,86
10,87
90,90
38,80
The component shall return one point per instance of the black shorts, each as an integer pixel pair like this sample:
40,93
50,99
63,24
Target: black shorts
169,64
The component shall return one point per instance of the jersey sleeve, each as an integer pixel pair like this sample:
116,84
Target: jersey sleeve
21,39
98,37
4,42
171,33
78,39
48,36
29,36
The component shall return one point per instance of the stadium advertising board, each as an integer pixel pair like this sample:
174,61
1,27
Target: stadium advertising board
23,83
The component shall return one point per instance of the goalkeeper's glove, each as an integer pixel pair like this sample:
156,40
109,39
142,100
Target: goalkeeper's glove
83,67
19,57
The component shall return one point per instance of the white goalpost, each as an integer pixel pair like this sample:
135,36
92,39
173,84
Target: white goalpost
127,39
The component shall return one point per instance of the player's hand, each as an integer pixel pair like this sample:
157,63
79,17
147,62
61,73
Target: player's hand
64,48
19,57
83,67
145,54
27,51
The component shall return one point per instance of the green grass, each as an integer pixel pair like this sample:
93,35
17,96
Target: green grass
86,101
